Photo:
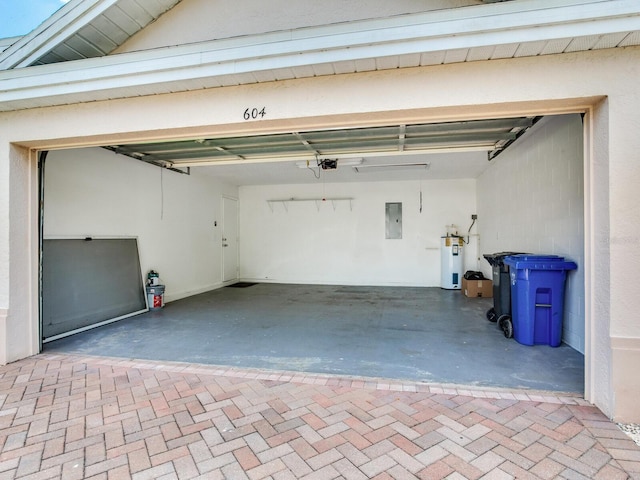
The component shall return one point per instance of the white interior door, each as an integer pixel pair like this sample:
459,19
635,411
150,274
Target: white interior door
229,239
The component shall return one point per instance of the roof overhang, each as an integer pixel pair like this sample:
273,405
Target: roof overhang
485,32
82,29
7,42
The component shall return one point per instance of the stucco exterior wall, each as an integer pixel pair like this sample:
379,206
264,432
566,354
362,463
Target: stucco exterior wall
194,21
4,226
4,250
598,348
547,84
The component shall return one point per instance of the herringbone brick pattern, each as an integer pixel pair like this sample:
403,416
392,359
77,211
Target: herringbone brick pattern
71,417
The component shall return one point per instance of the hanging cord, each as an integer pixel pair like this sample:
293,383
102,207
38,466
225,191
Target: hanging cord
324,184
313,171
469,231
420,194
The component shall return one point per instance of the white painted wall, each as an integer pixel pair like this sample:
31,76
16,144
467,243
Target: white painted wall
93,192
304,244
532,200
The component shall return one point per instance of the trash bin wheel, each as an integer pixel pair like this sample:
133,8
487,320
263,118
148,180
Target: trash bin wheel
492,316
506,325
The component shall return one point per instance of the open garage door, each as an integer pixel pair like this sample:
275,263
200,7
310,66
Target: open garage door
312,211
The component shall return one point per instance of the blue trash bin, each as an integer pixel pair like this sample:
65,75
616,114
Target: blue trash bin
537,297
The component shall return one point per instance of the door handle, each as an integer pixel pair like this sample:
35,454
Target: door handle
225,245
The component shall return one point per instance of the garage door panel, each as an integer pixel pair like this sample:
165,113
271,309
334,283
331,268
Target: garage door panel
85,282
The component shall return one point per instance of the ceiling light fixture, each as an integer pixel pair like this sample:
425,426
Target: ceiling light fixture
369,168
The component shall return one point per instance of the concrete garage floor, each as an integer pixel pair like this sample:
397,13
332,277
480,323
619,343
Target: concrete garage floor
418,334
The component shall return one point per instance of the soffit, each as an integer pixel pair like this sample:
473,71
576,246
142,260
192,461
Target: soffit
83,29
107,31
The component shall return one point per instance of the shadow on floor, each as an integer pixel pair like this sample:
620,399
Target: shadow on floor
419,334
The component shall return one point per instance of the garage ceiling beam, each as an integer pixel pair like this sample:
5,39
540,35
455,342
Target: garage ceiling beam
501,148
306,144
147,159
205,162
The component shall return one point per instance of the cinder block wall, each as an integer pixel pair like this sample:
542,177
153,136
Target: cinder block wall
532,200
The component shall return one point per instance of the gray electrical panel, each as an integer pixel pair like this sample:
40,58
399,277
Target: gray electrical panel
393,220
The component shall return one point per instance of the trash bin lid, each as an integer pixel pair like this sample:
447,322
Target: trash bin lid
539,262
497,258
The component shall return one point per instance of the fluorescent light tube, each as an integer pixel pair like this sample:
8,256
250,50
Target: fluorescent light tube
369,167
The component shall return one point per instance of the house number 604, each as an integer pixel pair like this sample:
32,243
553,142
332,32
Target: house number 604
254,113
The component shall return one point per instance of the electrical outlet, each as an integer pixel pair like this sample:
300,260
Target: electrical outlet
474,216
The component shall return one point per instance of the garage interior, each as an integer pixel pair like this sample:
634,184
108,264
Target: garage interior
300,217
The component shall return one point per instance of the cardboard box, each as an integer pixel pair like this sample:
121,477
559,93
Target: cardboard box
477,288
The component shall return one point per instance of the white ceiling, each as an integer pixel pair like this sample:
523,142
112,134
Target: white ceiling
442,166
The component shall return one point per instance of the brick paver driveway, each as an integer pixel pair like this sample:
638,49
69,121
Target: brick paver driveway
90,417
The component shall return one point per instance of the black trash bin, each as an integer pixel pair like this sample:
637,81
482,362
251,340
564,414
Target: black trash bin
501,289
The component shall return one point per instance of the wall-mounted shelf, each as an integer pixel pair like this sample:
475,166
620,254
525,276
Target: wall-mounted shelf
318,201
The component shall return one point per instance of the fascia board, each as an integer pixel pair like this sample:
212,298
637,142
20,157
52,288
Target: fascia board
494,16
71,18
74,16
7,42
285,50
68,20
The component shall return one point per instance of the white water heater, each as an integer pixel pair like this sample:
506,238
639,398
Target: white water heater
452,261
